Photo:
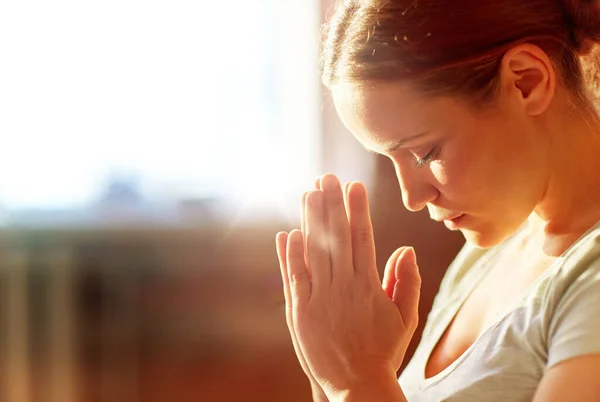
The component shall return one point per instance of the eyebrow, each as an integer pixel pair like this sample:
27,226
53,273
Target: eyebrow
395,145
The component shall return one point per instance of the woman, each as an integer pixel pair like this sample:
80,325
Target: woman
486,109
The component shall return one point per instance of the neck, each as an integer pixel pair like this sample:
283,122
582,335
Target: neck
571,202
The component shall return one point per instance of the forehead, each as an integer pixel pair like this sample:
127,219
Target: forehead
380,114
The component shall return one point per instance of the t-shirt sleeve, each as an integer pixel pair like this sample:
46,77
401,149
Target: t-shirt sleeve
575,324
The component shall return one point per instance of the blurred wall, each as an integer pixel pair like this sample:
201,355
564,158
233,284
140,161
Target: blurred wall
144,314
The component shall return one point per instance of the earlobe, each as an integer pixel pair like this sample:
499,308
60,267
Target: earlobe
530,73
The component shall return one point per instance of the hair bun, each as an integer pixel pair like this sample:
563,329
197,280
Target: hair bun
583,18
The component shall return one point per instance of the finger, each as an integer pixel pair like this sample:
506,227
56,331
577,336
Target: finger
317,187
389,274
345,191
338,229
303,227
281,244
302,213
361,230
300,284
407,289
317,248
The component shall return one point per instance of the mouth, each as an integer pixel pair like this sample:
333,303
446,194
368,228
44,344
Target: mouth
452,222
448,218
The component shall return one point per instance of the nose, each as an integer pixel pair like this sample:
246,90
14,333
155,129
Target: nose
416,186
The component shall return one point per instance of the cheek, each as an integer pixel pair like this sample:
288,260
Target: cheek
441,172
456,172
469,176
456,180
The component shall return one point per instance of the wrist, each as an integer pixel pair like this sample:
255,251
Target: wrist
383,389
317,393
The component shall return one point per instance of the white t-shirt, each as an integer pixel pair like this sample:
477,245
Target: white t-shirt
556,319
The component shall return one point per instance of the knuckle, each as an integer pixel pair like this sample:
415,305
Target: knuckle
412,322
418,281
317,249
363,235
314,242
321,257
415,279
299,278
342,237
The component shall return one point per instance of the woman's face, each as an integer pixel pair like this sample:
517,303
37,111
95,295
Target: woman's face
488,167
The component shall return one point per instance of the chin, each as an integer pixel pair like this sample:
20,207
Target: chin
487,237
481,240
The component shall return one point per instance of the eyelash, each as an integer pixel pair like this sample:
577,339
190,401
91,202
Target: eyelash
424,161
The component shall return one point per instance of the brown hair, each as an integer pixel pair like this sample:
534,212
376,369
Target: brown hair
456,46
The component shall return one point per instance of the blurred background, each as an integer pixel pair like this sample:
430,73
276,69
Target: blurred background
149,153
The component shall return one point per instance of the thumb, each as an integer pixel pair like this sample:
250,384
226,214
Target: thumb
389,274
407,288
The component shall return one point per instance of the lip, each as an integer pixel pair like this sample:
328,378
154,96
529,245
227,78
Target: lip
449,218
454,223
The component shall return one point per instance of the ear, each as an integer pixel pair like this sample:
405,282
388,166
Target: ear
528,75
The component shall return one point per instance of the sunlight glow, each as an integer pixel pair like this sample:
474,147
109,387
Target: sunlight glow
191,104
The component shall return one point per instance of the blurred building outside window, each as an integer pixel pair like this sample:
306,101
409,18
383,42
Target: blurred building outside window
129,109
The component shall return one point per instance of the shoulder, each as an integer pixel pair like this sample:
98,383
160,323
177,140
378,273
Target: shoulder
572,302
579,267
573,341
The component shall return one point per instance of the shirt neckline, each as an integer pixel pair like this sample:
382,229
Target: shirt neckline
428,382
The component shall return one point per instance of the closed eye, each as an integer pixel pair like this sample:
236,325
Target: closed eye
421,162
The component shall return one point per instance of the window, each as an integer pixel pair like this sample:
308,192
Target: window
155,103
